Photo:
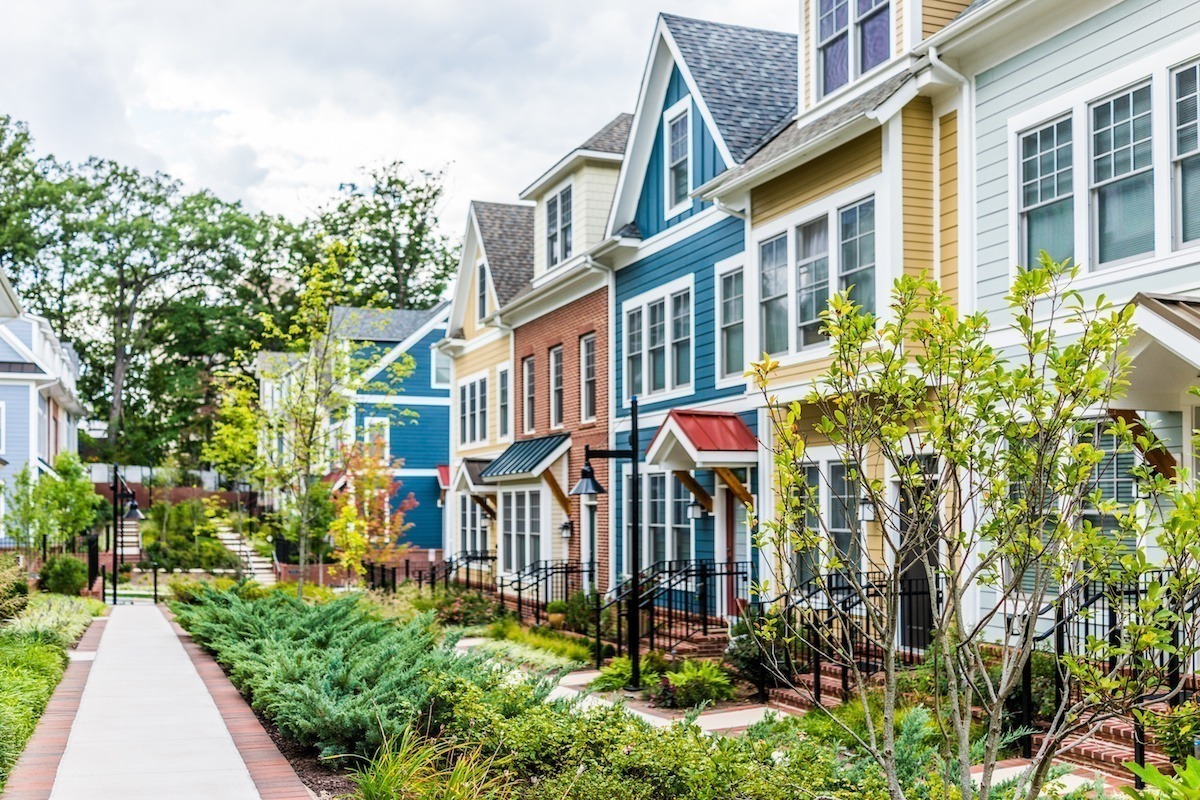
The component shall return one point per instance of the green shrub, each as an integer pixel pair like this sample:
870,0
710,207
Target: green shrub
1184,785
63,575
14,590
407,767
618,674
1176,729
565,647
56,619
581,611
556,607
464,608
182,536
693,683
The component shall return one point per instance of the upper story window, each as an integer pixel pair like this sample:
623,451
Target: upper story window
856,274
558,227
556,387
481,282
658,342
529,368
1047,185
472,411
502,401
440,376
773,289
1123,176
733,349
587,377
677,134
853,37
377,434
812,280
1186,152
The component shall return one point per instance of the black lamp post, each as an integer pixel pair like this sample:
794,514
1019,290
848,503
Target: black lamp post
121,492
588,486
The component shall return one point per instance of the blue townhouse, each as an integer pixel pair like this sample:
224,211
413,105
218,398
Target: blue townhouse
410,414
711,94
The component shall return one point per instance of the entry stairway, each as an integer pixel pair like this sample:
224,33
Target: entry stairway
259,568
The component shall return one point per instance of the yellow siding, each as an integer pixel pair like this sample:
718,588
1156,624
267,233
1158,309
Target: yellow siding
474,362
948,202
917,185
809,34
938,14
595,185
820,177
898,15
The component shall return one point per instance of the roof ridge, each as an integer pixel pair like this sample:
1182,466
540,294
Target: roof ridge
714,23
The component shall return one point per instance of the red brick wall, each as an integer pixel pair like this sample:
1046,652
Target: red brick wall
565,326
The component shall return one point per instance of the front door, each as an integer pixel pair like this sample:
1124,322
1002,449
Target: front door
918,543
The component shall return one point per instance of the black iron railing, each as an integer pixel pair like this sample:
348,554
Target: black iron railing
472,570
540,583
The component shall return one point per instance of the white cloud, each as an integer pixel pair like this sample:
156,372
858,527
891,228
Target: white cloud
275,102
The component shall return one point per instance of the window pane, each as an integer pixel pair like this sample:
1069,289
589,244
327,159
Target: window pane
503,402
1125,215
731,297
835,64
734,349
1121,133
633,376
732,312
1189,184
679,183
681,339
658,517
874,39
832,16
657,345
843,514
681,528
1051,228
812,279
773,290
565,213
1187,135
858,254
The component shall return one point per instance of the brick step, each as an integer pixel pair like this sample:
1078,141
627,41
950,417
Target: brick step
792,700
1107,755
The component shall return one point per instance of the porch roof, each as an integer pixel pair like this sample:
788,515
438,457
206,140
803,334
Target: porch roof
1165,350
470,473
443,476
527,458
690,439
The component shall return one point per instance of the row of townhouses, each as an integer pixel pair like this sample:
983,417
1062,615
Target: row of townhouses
760,172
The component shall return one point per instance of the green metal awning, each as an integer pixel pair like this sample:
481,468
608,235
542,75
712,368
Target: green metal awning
528,458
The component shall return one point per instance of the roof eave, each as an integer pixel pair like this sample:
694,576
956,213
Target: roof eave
565,166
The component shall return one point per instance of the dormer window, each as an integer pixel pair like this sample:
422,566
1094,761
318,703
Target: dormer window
558,227
853,37
481,291
678,140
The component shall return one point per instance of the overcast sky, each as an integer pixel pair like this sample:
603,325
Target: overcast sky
274,102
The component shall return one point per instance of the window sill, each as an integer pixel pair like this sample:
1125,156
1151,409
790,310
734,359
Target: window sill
1186,255
673,212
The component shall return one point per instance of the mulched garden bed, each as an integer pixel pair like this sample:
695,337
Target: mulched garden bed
325,781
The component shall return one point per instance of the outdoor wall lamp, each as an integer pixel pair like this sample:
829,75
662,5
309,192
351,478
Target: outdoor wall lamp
695,510
866,509
566,528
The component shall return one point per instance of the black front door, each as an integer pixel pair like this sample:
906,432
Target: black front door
919,550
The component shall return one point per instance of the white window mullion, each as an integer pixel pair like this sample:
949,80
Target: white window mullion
1160,145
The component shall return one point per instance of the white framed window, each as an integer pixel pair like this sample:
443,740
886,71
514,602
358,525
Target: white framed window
1047,193
856,270
665,502
529,376
521,528
677,158
772,292
556,386
852,38
1185,153
587,377
440,371
377,432
503,403
472,533
732,355
659,332
1122,176
481,293
472,411
559,213
812,281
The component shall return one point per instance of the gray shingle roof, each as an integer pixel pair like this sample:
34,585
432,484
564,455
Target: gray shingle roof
975,6
747,77
507,233
523,458
788,137
379,324
611,138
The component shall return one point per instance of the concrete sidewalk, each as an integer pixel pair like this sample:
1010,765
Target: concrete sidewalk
147,727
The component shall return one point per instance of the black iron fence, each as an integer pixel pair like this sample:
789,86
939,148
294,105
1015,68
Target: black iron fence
542,582
473,571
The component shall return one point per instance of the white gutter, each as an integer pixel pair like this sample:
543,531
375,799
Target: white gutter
972,20
733,212
967,191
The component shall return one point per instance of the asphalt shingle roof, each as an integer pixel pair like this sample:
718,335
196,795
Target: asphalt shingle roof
523,457
507,233
611,138
379,324
747,77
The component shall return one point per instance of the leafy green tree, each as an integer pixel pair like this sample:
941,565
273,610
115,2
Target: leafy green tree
982,467
26,520
396,258
70,499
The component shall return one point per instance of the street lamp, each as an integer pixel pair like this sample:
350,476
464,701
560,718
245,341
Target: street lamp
587,488
120,492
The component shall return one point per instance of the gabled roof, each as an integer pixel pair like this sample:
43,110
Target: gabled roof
606,144
506,235
611,138
527,458
690,439
746,76
380,324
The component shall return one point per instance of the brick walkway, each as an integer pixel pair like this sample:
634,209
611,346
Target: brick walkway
149,716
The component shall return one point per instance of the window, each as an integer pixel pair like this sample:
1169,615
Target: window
521,528
857,271
806,561
853,37
377,433
773,287
472,411
633,349
1122,176
502,401
481,282
681,526
843,517
681,338
812,280
441,368
1186,153
1047,205
530,394
472,537
558,227
587,377
658,343
556,387
733,350
656,499
679,157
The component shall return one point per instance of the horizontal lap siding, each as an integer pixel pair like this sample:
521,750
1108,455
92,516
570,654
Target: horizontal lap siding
917,170
1117,36
939,13
696,256
824,175
426,518
948,203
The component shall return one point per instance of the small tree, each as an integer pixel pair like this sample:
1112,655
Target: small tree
70,499
233,449
370,521
26,520
983,469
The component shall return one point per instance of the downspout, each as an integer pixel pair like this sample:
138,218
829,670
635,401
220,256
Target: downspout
967,192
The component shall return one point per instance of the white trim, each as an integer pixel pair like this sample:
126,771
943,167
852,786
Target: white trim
583,380
720,270
565,164
669,237
670,439
434,354
544,207
663,293
372,421
3,427
682,108
401,400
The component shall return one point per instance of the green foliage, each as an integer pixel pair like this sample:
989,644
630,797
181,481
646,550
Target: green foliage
63,575
457,607
581,609
523,655
618,673
408,767
1176,729
182,536
56,619
556,607
571,650
14,589
694,682
1184,785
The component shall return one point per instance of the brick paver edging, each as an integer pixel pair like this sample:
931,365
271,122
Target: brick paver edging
272,774
33,776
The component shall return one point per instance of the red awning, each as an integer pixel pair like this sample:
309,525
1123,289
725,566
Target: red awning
691,439
443,475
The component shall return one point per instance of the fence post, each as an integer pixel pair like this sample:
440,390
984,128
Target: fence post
1060,646
703,597
599,638
1173,668
816,661
154,574
1139,747
760,682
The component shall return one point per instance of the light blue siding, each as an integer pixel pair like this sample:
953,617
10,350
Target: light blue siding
1118,36
707,163
17,419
